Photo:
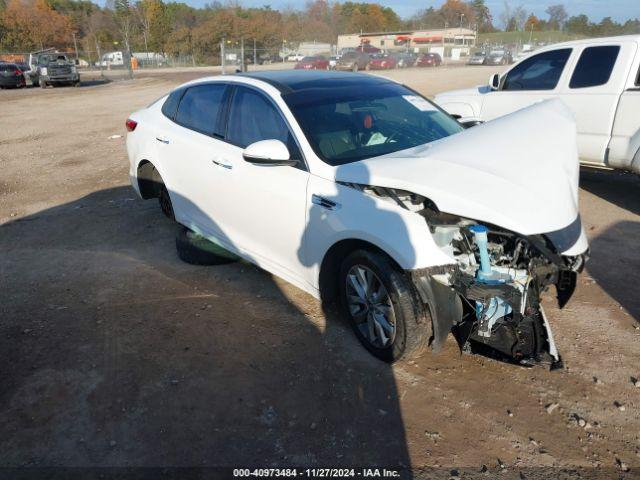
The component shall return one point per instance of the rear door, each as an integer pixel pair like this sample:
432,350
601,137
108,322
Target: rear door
264,206
593,92
188,144
625,138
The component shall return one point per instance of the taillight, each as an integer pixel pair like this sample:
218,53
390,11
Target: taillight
18,72
131,125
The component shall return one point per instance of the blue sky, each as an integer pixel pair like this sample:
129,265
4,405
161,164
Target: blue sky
619,10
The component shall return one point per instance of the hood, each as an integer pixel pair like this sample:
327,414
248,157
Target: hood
519,172
471,92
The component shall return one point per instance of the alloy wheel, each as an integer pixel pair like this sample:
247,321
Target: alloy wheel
370,306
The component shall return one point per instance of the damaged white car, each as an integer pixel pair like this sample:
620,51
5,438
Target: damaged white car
358,189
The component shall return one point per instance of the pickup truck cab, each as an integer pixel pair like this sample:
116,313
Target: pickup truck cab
598,79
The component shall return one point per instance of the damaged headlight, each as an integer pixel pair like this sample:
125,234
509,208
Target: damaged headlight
407,200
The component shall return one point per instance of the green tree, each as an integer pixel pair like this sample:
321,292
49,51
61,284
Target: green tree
557,16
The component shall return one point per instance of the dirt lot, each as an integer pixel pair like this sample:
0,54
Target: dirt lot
114,353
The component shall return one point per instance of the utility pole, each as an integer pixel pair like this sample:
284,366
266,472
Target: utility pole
283,54
255,53
75,46
222,54
243,67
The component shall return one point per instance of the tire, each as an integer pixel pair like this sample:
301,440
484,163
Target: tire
197,250
355,67
43,84
165,203
76,84
412,322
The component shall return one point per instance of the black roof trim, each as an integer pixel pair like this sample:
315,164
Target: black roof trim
289,81
274,83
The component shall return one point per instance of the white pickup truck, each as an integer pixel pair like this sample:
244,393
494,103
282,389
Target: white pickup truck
597,78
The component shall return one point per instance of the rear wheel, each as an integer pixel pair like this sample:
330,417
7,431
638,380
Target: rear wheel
382,306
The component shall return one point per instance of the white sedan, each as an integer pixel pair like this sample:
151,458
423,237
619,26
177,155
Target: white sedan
357,189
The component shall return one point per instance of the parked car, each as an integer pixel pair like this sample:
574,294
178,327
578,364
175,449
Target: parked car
405,59
429,60
353,61
295,57
498,57
325,180
333,60
53,68
477,58
382,61
11,76
368,49
317,62
598,79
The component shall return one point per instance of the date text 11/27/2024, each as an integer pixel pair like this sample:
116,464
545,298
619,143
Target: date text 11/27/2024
317,472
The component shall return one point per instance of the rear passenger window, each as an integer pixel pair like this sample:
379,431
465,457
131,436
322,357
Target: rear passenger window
199,108
170,105
254,118
538,72
594,67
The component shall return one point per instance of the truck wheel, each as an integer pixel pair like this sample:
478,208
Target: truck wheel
383,306
197,250
43,84
76,84
355,67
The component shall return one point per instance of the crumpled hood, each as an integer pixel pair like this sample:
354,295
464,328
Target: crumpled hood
519,172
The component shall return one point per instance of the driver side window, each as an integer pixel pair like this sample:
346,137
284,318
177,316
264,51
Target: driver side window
539,72
253,118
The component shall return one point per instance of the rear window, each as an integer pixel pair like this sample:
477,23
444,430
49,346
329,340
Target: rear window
595,66
199,108
7,68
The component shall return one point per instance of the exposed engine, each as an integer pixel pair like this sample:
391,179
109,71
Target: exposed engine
499,278
490,297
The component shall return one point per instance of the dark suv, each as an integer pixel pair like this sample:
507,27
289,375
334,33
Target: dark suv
52,68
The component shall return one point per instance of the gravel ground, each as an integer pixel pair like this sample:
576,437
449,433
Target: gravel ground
116,354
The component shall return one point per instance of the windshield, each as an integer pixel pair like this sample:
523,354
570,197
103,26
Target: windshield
348,124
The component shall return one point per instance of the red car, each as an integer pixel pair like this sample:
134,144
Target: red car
382,62
317,62
429,60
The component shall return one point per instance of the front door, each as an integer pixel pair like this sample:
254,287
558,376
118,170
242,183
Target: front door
532,80
263,207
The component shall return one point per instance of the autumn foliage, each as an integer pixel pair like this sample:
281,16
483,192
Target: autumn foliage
33,24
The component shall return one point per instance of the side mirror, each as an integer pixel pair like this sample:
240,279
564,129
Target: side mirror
494,81
268,152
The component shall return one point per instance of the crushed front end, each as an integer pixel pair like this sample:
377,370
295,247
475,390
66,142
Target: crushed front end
490,296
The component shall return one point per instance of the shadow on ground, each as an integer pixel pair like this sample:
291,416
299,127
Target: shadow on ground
118,354
619,188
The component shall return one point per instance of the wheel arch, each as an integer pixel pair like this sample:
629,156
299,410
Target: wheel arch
149,179
330,265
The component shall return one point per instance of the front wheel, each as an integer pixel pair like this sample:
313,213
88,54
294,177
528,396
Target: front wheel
355,67
382,306
43,84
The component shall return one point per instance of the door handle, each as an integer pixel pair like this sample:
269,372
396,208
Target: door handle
221,164
324,202
162,139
